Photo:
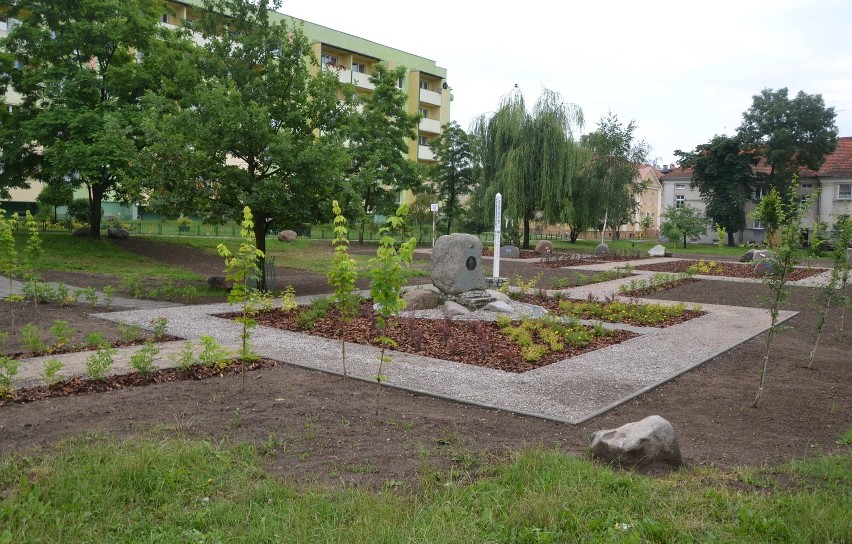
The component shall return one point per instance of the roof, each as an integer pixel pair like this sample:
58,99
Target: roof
836,164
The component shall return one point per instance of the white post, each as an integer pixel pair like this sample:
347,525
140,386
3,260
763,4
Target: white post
498,219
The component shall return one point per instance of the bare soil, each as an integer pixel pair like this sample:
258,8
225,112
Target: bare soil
729,269
323,428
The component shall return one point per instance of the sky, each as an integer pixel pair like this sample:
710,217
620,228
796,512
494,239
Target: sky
682,71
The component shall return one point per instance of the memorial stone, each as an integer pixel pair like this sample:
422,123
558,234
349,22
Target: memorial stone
457,264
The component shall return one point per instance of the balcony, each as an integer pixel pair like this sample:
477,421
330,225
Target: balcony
424,153
432,126
362,81
430,97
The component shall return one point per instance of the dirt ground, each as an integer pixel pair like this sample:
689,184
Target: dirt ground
317,427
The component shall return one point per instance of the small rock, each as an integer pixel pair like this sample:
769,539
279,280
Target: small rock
544,247
497,295
498,306
81,232
510,252
286,236
658,250
602,248
117,233
454,308
421,299
646,442
219,282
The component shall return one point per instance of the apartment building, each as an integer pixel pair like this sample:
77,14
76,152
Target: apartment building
353,58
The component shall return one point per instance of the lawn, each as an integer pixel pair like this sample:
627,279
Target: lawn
161,489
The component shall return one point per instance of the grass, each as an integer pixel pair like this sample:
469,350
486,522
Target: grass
642,246
312,256
168,490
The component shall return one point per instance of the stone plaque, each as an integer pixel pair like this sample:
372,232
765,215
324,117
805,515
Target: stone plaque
455,264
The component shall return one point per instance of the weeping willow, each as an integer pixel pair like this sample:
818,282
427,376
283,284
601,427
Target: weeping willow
528,156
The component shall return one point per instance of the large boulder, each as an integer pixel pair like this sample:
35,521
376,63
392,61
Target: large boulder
602,248
544,247
421,299
220,282
498,306
457,264
510,252
497,295
658,250
286,236
756,255
453,309
117,233
765,266
646,442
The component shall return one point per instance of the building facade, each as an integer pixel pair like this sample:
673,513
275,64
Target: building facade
353,58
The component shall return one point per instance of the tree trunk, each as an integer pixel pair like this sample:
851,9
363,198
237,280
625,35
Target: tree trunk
574,234
526,244
731,242
97,194
260,243
684,241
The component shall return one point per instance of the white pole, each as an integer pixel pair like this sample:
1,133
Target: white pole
434,215
498,218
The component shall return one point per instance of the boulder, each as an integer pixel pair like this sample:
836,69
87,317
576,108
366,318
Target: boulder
765,266
220,282
286,236
510,252
748,256
756,255
117,233
453,309
81,232
646,442
497,295
498,306
658,250
421,299
602,248
457,264
544,247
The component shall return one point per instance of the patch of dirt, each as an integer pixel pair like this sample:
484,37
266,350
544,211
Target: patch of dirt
473,343
323,428
728,269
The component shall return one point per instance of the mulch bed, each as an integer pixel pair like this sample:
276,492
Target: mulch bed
552,306
728,269
80,347
475,343
658,288
88,386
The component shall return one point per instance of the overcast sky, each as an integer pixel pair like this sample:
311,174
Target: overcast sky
683,71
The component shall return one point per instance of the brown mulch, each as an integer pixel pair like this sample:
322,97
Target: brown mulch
552,305
473,343
88,386
728,269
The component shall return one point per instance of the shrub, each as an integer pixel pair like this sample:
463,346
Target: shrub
212,353
31,337
50,371
143,360
62,333
8,371
99,363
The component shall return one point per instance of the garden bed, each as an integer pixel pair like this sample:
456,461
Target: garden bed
638,314
88,386
721,268
476,343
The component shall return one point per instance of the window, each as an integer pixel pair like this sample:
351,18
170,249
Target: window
680,200
4,24
424,85
399,82
424,140
760,192
680,186
757,225
11,108
425,113
329,59
165,18
358,67
844,191
806,185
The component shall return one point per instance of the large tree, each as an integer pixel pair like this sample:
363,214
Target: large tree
722,172
616,155
584,207
526,155
682,222
378,139
76,68
452,175
789,133
258,130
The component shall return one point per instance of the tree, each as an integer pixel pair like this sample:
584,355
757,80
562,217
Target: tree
55,195
378,144
526,155
789,134
453,173
585,206
723,174
80,85
615,155
258,130
682,222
